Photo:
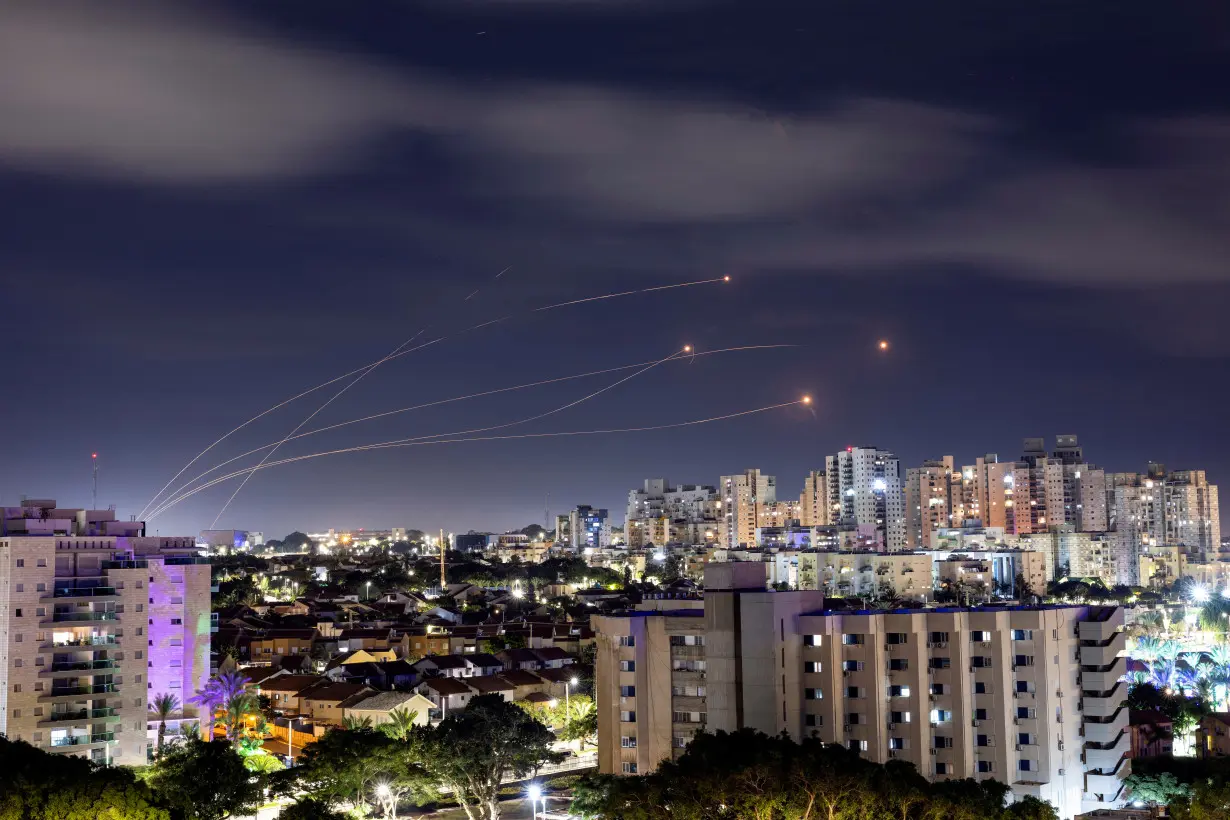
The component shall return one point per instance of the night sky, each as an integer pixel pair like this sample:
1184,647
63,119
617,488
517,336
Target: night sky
207,209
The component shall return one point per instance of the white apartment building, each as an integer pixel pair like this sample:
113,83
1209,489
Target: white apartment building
96,619
865,484
1051,491
930,493
743,498
1026,695
660,514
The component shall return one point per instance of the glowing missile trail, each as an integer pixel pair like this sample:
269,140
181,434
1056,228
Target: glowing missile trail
505,425
364,368
484,393
515,436
313,415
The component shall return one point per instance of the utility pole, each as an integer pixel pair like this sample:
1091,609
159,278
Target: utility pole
443,577
94,460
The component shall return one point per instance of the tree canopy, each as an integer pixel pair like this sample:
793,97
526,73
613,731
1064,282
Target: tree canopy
204,780
747,774
35,785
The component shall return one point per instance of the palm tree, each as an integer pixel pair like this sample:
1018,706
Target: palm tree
400,723
164,706
354,724
228,693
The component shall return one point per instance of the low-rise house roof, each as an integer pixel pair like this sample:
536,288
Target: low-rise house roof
488,684
292,684
447,686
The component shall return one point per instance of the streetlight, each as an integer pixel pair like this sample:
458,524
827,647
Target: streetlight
534,792
567,690
369,597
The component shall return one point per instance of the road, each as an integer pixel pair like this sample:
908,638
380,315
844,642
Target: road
510,810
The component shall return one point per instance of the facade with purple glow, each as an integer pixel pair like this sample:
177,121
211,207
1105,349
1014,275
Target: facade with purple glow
96,620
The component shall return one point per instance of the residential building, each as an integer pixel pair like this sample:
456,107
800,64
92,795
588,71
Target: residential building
1213,735
743,497
814,509
1051,491
376,708
929,501
864,484
230,540
866,573
98,619
589,528
1029,695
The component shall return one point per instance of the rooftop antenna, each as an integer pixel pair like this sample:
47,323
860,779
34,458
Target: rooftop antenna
94,461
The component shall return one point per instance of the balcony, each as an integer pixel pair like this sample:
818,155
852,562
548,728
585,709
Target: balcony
142,564
84,592
82,617
82,740
1095,653
79,691
185,560
1103,681
1107,759
81,666
1106,733
80,716
101,641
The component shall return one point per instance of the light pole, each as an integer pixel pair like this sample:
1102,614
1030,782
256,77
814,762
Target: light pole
535,794
567,691
369,597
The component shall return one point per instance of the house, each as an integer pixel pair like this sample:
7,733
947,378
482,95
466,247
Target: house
552,657
1152,733
491,685
448,666
397,674
558,677
524,659
446,694
283,691
257,675
352,639
444,614
327,704
481,663
274,643
1213,735
526,683
414,647
377,707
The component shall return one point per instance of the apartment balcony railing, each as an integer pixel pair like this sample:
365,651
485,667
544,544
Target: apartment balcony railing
82,617
85,592
142,564
82,714
96,640
83,740
82,666
96,689
185,560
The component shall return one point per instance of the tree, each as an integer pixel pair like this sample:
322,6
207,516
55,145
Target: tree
1156,789
1031,808
263,764
473,750
352,723
204,780
1210,800
342,767
309,809
400,724
582,724
35,785
164,706
228,693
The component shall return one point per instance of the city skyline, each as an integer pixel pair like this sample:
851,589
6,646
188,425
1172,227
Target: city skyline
1025,217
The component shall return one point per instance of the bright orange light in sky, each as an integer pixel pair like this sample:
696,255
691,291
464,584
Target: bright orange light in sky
884,344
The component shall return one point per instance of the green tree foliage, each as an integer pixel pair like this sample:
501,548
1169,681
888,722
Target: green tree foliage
750,775
400,724
1210,800
164,706
473,750
1156,789
203,780
308,809
35,785
343,766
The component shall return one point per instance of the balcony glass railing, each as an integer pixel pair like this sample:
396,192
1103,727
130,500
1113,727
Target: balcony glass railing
82,740
84,592
82,666
184,560
96,689
97,640
142,564
83,714
69,617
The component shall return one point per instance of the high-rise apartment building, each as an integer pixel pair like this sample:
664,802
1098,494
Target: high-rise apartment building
814,510
1158,509
1027,695
589,528
930,493
864,485
685,513
97,620
1051,491
743,499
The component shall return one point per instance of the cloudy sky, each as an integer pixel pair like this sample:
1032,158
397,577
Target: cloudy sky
213,207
